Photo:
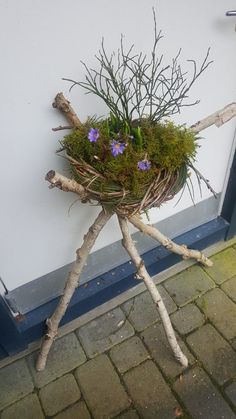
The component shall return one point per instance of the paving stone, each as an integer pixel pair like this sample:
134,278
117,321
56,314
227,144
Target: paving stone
27,408
224,265
15,382
104,332
231,392
131,414
230,288
101,388
142,311
218,357
156,341
129,354
233,343
220,310
59,394
77,411
65,355
150,393
187,318
188,285
200,397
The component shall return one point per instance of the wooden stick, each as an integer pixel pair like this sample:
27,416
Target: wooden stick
63,105
181,250
60,128
71,284
57,180
217,118
142,273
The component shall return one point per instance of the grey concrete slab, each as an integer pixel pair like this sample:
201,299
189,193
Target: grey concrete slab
104,332
27,408
77,411
217,356
201,397
229,287
159,348
224,265
15,382
188,285
65,355
101,388
131,414
59,394
187,318
220,310
142,312
128,354
231,392
150,393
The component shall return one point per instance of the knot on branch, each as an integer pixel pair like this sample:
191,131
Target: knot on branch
61,103
50,175
56,184
141,264
167,243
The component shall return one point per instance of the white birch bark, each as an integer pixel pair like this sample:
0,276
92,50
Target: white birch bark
217,118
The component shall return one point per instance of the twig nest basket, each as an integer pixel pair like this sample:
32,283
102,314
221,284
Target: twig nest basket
132,171
111,195
135,158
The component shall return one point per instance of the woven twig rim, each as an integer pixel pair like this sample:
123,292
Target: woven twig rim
163,188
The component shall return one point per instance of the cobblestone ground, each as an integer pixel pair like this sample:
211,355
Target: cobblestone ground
120,365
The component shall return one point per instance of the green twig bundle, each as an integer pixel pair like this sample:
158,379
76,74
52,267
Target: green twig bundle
134,159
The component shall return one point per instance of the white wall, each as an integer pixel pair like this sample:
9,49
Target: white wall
41,42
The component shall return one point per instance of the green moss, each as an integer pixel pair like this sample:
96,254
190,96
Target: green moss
165,145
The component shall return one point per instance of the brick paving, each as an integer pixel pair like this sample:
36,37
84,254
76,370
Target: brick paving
119,365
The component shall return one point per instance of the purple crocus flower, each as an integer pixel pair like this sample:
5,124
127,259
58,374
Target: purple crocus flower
117,148
93,135
144,165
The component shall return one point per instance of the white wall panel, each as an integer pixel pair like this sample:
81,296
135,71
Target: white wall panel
42,41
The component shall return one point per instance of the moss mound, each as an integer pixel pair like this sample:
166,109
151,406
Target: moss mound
160,147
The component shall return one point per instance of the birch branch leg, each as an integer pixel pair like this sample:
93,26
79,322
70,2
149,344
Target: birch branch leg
142,272
71,284
181,250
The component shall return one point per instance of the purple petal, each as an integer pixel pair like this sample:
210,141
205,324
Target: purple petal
93,135
117,148
144,165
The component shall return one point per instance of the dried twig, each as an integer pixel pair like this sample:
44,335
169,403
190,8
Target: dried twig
201,177
60,128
